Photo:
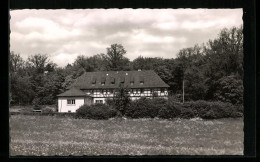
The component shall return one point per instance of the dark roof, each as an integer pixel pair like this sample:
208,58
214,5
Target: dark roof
72,92
149,77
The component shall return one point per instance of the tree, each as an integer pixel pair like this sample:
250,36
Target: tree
52,86
229,89
16,62
21,89
121,99
115,58
38,62
50,67
224,57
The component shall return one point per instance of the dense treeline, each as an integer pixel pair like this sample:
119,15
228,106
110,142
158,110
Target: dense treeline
211,71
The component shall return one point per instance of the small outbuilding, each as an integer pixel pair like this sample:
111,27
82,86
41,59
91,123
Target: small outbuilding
72,99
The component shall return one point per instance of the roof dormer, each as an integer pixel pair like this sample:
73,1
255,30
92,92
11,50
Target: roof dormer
103,80
112,80
141,79
122,79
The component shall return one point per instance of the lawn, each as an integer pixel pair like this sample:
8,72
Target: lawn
50,135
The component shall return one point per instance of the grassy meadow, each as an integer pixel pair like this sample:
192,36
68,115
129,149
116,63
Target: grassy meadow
63,136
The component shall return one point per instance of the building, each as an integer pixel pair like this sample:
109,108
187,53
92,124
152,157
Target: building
96,87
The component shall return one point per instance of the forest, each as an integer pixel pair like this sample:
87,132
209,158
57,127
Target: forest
212,71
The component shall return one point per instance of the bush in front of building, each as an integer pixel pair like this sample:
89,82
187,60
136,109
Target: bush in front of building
150,108
96,111
171,110
145,107
121,100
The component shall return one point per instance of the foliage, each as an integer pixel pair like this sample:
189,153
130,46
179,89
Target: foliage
150,108
115,58
16,62
120,100
38,62
21,89
96,111
229,89
144,108
214,110
171,110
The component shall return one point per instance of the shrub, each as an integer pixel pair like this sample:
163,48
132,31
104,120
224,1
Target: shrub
186,113
213,110
96,111
145,108
171,110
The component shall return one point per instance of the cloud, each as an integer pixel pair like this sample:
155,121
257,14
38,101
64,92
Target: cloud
65,34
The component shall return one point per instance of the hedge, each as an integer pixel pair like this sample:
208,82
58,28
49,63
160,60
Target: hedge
145,108
150,108
214,110
96,111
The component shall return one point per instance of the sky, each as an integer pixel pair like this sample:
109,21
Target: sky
65,34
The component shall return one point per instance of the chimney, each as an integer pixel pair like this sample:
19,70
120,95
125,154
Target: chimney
139,70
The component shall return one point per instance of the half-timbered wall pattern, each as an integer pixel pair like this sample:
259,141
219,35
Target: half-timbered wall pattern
109,93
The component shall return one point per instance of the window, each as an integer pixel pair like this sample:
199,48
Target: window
71,101
142,90
162,90
99,101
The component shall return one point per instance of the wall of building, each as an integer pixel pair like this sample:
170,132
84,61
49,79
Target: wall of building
64,107
146,92
134,94
103,100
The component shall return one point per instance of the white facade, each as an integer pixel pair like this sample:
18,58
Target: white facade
69,104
